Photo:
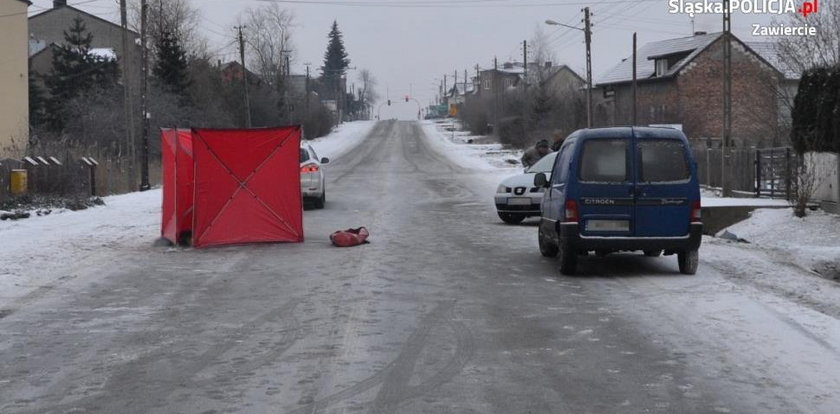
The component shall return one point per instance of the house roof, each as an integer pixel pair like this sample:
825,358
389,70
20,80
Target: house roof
560,68
93,16
693,46
646,64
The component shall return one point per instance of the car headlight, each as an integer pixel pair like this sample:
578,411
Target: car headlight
503,189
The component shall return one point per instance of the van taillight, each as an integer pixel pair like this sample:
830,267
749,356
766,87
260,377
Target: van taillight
696,214
311,168
571,212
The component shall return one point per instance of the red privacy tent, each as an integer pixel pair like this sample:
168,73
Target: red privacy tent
177,165
246,186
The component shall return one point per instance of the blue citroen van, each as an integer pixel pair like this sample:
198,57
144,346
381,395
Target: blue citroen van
622,189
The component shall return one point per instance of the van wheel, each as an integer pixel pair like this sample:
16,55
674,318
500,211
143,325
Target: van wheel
568,261
653,253
688,261
510,218
547,247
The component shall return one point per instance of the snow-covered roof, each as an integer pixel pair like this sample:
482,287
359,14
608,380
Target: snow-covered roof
36,46
691,46
646,67
104,52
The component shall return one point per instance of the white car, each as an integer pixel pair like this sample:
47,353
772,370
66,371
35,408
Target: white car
518,198
312,183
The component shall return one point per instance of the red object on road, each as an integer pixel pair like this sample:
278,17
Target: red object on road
350,237
232,186
177,166
247,186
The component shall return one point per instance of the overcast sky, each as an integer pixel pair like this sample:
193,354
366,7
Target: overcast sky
410,48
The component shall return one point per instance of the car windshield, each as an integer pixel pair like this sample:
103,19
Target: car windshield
544,165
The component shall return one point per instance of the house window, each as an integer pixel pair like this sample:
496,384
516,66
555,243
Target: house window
508,82
661,67
487,84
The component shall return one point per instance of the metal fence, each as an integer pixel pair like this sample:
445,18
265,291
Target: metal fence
762,172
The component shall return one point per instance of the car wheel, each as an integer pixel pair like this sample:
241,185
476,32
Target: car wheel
688,261
547,247
321,201
653,253
568,260
511,218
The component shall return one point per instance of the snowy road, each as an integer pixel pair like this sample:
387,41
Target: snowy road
447,311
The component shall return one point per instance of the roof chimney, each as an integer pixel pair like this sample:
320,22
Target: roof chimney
59,3
700,33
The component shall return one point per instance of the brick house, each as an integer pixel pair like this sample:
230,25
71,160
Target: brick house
14,79
680,82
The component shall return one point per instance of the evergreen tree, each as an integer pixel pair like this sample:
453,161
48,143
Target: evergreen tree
76,71
336,61
37,102
171,69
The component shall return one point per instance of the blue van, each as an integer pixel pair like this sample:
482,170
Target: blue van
622,189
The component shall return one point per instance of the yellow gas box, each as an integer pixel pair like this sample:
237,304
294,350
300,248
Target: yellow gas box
18,183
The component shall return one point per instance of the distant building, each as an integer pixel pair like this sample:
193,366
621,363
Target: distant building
680,82
47,30
14,79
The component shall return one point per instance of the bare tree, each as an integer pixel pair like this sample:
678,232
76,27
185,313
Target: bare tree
367,94
269,38
541,53
177,17
822,50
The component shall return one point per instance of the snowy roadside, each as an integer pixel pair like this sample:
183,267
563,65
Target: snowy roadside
811,243
343,138
41,250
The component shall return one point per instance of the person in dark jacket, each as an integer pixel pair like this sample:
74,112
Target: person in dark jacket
535,153
557,142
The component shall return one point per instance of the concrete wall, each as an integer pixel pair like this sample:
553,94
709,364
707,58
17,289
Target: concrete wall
14,79
827,175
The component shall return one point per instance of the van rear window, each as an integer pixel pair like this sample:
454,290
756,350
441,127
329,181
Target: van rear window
662,161
304,155
604,161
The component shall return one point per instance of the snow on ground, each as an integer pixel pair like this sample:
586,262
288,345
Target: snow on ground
40,250
812,242
344,138
477,156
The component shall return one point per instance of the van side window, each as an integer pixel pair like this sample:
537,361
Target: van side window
561,170
604,161
662,161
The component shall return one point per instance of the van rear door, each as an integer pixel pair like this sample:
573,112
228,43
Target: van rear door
664,186
605,192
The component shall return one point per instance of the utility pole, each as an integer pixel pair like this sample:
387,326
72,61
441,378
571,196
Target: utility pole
128,104
635,85
588,33
144,97
445,91
286,89
466,78
727,94
493,88
244,78
525,60
306,87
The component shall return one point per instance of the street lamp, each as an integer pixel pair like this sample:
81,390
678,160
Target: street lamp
587,31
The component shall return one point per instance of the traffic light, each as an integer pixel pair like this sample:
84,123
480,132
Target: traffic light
406,98
389,102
